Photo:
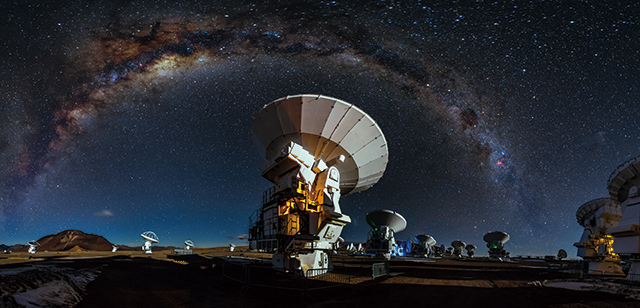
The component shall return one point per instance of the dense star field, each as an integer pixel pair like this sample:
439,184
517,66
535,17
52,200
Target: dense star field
120,118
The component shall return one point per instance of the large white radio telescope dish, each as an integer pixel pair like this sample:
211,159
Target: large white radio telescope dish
588,210
623,179
393,220
327,128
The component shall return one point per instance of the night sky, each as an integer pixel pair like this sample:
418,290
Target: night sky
119,118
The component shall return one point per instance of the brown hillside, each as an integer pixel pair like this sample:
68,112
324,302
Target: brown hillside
69,239
76,248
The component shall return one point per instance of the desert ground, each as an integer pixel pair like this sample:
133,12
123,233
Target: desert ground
160,279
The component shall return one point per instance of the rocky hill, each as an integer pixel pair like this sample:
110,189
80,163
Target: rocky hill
68,239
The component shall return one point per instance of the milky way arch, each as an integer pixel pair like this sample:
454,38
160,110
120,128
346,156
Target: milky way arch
118,53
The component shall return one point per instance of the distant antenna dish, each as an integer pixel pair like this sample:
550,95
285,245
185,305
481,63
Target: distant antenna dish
496,236
381,240
114,248
32,246
391,219
470,249
495,242
232,247
327,128
623,179
150,238
562,254
458,246
425,245
188,244
427,239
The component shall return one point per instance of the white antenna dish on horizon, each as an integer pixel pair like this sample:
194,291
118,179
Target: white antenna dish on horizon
33,245
391,219
381,240
232,247
458,246
425,245
150,238
114,248
427,239
188,244
496,236
495,242
562,254
470,250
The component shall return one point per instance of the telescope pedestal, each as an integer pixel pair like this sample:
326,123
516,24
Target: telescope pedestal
310,264
634,271
605,267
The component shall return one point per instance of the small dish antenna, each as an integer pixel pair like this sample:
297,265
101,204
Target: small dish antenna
425,245
150,238
458,246
562,254
442,250
381,240
114,248
32,246
470,250
232,247
495,242
188,244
